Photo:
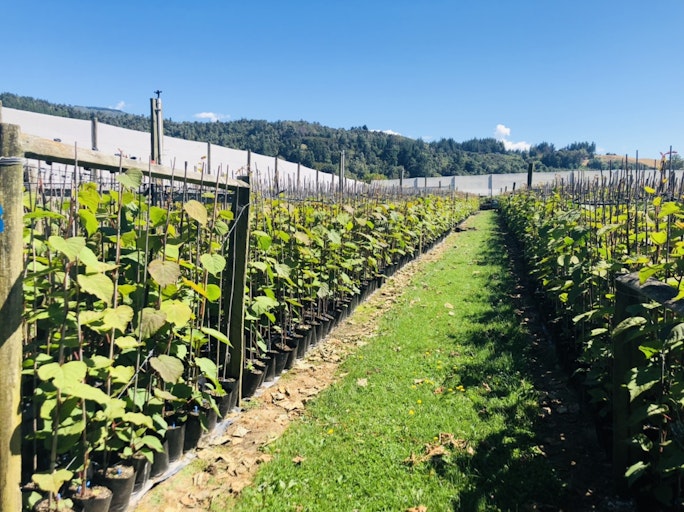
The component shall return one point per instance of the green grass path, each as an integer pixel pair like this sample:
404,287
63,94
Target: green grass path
437,411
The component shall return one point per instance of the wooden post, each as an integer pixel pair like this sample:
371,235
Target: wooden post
530,171
276,178
11,307
208,157
626,355
156,130
236,282
342,174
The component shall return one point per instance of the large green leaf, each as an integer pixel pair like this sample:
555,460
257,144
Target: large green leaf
93,265
122,374
63,375
70,247
117,318
88,197
89,221
196,211
86,392
151,320
169,368
52,482
213,263
208,368
131,179
177,312
164,272
264,240
99,285
216,334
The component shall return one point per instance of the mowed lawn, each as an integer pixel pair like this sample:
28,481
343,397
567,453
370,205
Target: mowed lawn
435,413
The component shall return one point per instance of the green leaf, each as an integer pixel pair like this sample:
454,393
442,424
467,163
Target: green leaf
86,392
93,265
334,237
88,197
65,374
208,368
323,291
213,263
157,216
126,342
122,374
262,304
131,179
635,471
70,247
99,285
216,334
89,221
177,312
213,292
52,482
169,368
138,418
627,324
163,272
264,240
118,318
196,211
643,379
151,321
659,237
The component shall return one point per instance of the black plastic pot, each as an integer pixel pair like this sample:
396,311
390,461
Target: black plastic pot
227,402
96,499
193,430
281,357
251,380
142,468
175,437
160,462
120,479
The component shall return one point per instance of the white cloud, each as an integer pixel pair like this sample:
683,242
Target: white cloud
119,106
502,132
211,116
388,132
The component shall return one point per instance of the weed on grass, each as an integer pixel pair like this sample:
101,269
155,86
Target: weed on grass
437,411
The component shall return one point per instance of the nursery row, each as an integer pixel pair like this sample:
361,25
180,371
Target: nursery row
578,240
129,296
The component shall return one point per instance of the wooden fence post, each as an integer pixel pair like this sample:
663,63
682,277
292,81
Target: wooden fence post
11,306
237,280
629,291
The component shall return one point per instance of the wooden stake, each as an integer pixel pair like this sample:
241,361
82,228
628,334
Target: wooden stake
11,304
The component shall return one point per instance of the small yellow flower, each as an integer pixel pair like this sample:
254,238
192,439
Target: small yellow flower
412,412
414,387
330,431
419,401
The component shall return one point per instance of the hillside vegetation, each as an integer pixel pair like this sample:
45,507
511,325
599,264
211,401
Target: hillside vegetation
368,154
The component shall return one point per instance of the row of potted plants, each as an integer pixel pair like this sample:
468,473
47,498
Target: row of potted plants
127,311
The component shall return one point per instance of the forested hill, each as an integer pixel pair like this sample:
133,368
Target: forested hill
368,154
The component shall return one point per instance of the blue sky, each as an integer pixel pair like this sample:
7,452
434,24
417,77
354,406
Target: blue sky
526,71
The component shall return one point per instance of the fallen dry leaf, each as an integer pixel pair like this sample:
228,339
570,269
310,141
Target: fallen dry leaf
448,305
419,508
298,459
362,383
